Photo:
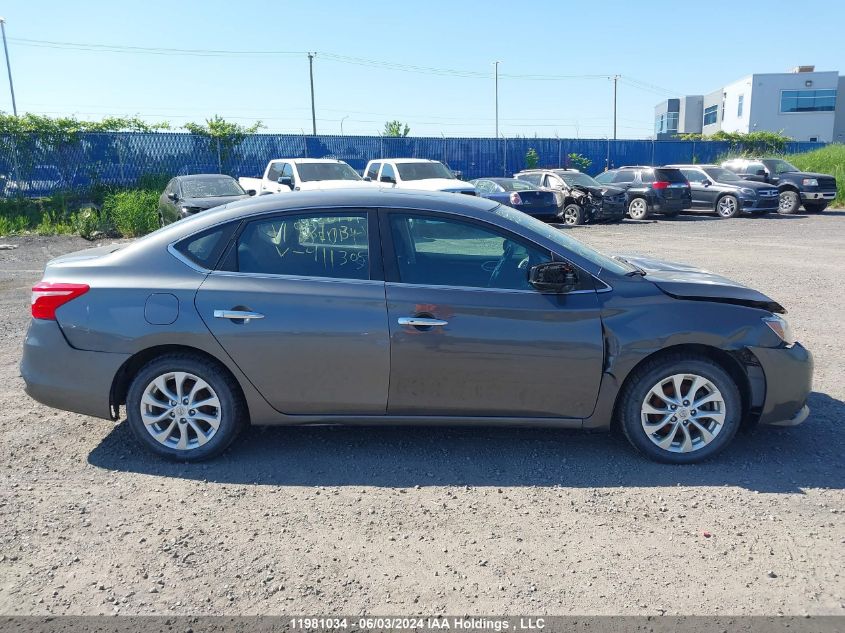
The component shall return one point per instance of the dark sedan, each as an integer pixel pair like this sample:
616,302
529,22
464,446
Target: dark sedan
186,195
521,195
403,307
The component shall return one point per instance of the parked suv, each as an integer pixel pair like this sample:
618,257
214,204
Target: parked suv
717,189
795,187
584,199
650,190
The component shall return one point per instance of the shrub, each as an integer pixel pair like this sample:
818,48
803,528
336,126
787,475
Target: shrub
86,223
532,158
578,161
133,212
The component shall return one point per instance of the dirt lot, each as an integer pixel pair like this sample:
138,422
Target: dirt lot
398,521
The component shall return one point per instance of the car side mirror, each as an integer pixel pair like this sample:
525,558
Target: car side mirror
553,277
251,192
367,179
389,179
286,181
172,196
706,182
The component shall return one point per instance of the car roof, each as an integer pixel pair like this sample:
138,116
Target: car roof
404,160
550,169
298,161
203,176
690,165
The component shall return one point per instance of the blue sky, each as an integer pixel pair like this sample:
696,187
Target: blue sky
659,49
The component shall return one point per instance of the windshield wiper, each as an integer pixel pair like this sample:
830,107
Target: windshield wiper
637,270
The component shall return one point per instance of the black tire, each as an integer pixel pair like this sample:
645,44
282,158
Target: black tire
789,202
640,384
232,409
639,209
572,214
728,207
815,207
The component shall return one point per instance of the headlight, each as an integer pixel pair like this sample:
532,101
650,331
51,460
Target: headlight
810,182
747,191
779,326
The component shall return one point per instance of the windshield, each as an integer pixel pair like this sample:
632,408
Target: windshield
513,184
211,187
423,171
558,237
779,166
309,172
578,178
721,175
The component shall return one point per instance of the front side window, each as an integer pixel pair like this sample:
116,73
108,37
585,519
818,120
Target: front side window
423,171
447,252
606,177
388,172
778,166
624,176
274,171
711,115
693,175
721,175
287,172
314,245
372,171
484,186
310,172
807,100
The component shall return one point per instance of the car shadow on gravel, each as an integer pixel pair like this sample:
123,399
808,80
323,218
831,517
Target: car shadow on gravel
765,459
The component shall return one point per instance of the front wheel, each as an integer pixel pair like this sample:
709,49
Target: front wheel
185,407
680,409
815,207
638,209
789,202
572,214
727,207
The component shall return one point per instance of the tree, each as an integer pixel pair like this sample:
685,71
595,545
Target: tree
532,158
396,128
222,136
579,161
745,142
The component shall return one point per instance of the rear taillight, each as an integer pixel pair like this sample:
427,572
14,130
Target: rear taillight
515,199
660,184
48,297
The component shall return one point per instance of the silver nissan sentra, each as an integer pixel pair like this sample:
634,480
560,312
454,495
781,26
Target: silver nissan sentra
403,307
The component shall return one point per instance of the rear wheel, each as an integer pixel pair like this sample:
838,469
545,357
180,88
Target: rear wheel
789,202
727,207
680,409
184,407
638,209
815,207
572,214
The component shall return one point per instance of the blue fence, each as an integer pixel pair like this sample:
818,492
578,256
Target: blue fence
30,167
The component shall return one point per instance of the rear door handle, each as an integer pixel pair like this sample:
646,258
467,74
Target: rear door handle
243,315
422,322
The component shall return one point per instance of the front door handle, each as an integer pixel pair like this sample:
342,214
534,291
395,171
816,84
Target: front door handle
242,315
422,322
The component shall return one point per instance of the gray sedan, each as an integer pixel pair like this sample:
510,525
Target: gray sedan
373,307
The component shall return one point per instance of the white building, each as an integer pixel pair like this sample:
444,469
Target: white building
801,104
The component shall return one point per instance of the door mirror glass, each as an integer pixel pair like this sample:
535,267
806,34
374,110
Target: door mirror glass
286,181
172,195
553,277
250,192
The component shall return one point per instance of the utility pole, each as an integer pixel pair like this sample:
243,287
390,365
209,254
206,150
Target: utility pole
8,66
313,111
341,124
615,82
496,75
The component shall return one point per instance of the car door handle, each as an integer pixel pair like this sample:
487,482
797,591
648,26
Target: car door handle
243,315
422,322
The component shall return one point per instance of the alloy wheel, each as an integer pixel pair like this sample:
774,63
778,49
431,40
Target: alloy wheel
180,410
683,413
637,209
570,216
727,207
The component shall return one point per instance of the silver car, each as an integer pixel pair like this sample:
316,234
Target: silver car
362,307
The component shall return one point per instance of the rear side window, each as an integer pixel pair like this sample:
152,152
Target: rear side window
669,175
205,248
315,245
647,175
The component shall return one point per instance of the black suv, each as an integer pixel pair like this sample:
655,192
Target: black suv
795,187
650,190
584,199
717,189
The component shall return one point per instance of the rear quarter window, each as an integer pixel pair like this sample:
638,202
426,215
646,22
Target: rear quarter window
670,175
206,247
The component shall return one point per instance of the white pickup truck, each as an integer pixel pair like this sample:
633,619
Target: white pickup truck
416,173
303,174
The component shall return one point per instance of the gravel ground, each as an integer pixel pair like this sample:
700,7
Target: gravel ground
398,521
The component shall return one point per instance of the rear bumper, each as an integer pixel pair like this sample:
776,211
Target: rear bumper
66,378
789,380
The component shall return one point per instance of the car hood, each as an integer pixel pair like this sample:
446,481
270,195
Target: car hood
209,203
804,174
603,190
689,282
438,184
748,184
